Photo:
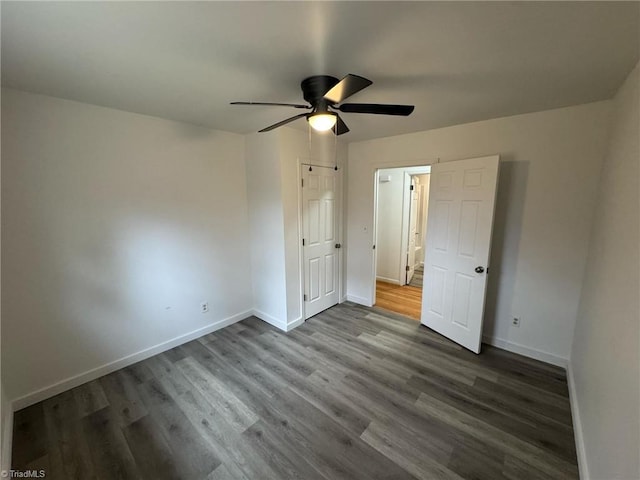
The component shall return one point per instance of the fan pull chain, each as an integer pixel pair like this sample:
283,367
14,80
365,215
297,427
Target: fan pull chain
335,148
310,151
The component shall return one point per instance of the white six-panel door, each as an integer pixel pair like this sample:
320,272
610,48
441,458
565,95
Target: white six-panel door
459,223
320,254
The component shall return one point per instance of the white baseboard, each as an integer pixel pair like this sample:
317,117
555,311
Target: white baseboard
295,323
279,324
577,425
394,281
526,351
359,300
72,382
265,317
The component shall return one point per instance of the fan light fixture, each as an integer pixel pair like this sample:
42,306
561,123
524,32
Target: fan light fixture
322,121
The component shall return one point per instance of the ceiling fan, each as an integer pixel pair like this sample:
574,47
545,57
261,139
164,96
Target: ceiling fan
325,95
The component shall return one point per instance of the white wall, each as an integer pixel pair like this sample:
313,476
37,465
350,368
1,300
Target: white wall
294,146
6,409
605,362
389,227
115,227
273,183
546,197
264,192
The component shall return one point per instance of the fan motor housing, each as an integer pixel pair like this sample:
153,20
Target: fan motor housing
314,88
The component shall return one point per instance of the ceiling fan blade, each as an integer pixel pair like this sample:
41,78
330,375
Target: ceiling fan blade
376,108
294,105
346,87
340,127
283,122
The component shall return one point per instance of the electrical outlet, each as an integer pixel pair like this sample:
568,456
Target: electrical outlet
516,321
204,307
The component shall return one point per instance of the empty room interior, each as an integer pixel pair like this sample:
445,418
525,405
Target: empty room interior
320,240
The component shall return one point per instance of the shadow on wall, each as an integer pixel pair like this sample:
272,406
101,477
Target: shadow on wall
512,189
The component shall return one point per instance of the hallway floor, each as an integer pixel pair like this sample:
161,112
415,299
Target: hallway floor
406,300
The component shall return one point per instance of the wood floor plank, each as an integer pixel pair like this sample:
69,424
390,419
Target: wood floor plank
558,441
67,447
151,451
404,299
191,454
122,395
29,430
284,461
90,398
354,393
534,456
226,403
354,457
552,408
109,450
397,447
224,441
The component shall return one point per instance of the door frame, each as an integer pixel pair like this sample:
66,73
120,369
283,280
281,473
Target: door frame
305,162
418,168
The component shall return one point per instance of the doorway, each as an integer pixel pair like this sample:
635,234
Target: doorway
401,217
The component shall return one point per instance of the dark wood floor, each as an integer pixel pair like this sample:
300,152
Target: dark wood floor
354,393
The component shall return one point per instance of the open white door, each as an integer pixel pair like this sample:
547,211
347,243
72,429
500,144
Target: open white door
320,254
413,222
459,223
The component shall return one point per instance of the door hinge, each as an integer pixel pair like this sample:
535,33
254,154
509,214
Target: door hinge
302,182
410,187
305,297
406,268
303,242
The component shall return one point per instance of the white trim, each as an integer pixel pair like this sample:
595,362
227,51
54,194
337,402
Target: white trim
359,300
7,440
526,351
294,324
300,237
395,281
265,317
76,380
279,324
577,425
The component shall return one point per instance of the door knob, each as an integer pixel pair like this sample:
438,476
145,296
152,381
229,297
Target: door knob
338,245
479,269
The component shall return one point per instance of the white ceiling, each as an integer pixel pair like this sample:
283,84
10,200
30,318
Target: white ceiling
457,62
